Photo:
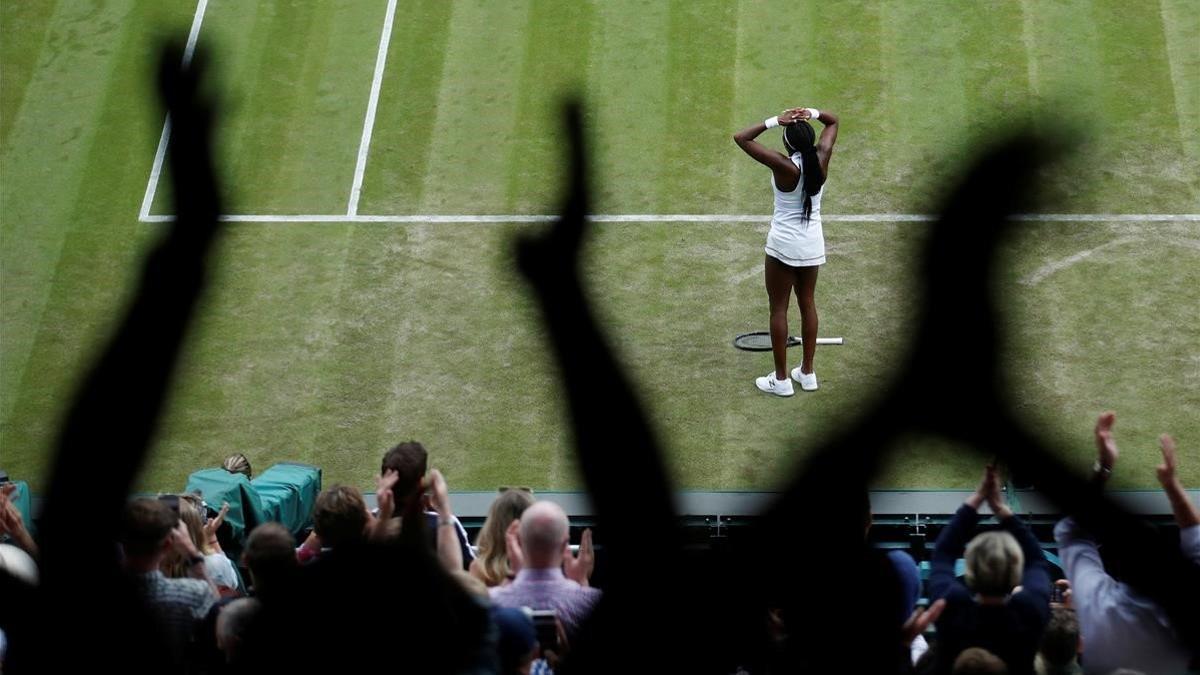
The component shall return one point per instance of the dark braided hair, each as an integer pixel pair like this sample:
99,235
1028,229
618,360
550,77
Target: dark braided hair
799,137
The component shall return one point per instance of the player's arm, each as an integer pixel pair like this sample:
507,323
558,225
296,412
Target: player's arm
785,172
828,134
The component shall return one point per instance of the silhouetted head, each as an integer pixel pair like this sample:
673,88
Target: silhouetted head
1060,640
409,460
270,555
978,661
340,516
145,526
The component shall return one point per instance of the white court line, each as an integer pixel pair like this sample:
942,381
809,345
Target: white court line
369,122
682,218
161,153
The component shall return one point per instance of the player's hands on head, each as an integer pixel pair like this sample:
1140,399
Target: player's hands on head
791,116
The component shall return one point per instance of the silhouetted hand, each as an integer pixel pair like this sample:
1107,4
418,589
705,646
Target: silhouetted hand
554,255
191,117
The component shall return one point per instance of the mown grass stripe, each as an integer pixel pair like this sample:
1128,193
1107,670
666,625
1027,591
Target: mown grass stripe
702,47
43,166
627,96
473,136
1181,30
554,66
408,108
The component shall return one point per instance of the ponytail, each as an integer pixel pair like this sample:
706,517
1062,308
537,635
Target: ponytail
814,178
799,137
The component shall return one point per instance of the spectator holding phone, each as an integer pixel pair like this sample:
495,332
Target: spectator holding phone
1121,627
986,613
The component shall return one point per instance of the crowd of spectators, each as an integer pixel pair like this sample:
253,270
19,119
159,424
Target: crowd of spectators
1004,614
149,588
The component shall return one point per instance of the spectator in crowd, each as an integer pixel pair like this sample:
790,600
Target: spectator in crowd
1120,626
232,623
539,555
11,522
518,645
410,461
237,463
340,518
150,532
987,613
976,661
491,562
1059,652
904,566
270,555
203,534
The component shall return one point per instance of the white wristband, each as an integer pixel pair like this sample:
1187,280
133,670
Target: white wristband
771,122
813,113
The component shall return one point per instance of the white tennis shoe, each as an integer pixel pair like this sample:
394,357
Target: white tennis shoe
773,386
808,382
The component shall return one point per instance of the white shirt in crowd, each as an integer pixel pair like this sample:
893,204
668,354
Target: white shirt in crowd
220,570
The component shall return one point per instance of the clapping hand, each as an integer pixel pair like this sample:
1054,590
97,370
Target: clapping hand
1106,446
578,567
1166,470
381,526
512,547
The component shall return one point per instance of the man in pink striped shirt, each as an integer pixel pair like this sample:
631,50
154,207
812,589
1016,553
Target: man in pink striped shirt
540,583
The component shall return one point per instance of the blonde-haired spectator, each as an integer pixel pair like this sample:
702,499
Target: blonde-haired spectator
491,565
988,612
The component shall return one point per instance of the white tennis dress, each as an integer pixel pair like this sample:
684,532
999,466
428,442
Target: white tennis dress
793,240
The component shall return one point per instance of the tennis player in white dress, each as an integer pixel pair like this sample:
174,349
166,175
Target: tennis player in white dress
795,245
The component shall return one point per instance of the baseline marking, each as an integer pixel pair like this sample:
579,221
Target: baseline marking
161,153
364,145
681,218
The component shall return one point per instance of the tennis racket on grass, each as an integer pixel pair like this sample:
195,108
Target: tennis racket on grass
760,341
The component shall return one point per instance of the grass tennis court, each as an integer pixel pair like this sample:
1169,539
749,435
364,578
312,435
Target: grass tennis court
325,342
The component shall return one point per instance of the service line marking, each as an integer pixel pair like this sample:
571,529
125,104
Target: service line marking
680,218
